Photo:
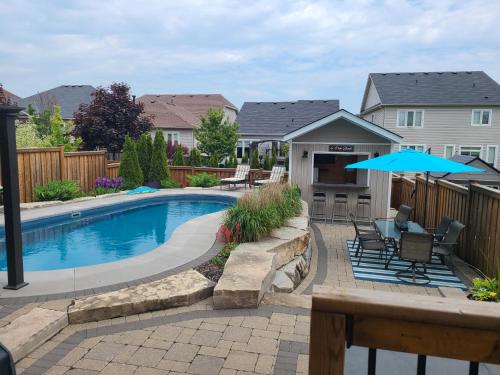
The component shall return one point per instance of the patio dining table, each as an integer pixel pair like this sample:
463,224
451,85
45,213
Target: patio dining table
391,233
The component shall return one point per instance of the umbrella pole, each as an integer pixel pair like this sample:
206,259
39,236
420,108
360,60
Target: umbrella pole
426,196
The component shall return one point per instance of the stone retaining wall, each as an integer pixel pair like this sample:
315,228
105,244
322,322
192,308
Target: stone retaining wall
251,269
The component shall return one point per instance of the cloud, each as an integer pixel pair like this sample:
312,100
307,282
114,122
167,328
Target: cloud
259,50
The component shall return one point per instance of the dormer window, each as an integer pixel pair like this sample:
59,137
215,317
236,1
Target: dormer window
410,118
481,117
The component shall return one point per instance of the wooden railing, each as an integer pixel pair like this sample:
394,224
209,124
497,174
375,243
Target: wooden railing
424,325
478,207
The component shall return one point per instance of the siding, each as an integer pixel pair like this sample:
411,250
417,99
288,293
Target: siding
443,126
372,98
379,183
186,136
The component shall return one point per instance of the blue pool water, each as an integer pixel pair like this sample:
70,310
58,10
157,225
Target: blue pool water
107,234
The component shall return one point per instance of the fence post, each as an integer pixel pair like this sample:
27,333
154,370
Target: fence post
61,163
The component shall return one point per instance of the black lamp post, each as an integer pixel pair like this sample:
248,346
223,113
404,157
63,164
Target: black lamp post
10,182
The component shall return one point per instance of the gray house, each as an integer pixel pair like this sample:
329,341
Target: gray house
68,97
452,113
270,121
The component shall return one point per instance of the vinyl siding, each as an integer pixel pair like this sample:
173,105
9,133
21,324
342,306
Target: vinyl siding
372,98
443,126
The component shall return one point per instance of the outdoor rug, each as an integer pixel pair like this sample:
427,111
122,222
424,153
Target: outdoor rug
372,268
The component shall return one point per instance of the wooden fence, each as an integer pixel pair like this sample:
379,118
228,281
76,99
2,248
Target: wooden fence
37,166
478,207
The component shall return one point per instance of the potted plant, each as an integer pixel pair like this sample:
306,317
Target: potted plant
485,289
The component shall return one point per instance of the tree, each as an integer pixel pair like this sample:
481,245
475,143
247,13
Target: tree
255,163
267,162
109,118
231,161
216,135
194,157
213,161
130,170
144,153
158,170
244,159
58,135
27,136
178,158
274,158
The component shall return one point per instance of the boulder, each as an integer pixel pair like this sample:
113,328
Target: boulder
282,283
181,289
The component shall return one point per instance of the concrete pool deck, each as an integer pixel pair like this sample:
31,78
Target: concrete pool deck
188,242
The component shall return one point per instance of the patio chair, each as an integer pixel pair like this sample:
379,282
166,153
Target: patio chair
240,176
446,247
277,174
366,233
441,229
368,241
416,248
402,216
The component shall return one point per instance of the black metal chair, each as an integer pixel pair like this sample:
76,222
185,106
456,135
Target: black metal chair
366,233
446,247
441,229
403,214
416,248
7,366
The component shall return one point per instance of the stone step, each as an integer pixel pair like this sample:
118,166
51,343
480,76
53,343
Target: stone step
27,332
182,289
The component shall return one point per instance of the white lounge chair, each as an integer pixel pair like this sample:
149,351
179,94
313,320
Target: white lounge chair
240,176
277,174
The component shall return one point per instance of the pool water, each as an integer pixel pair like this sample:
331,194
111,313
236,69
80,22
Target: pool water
107,237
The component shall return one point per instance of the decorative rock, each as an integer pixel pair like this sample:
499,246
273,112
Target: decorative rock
295,269
27,332
248,274
182,289
299,222
282,283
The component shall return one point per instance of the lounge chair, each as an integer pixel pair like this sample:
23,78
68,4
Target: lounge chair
416,248
441,229
240,176
277,174
446,246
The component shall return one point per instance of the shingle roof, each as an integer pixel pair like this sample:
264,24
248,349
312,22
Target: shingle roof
436,88
280,118
463,159
13,98
69,97
182,111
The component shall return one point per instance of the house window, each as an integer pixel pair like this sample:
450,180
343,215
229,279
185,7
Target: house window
481,117
491,154
242,147
449,151
173,138
471,151
410,118
420,148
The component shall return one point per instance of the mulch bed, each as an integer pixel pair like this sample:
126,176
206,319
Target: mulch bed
210,271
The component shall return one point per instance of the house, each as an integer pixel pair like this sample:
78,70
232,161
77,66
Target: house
179,115
320,151
448,112
490,177
270,121
68,97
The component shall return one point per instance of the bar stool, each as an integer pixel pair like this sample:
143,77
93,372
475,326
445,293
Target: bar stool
364,207
340,210
318,210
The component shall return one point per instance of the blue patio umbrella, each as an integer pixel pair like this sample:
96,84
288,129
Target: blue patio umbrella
414,161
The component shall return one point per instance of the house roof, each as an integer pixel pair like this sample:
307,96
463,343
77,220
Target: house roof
490,172
435,88
69,97
279,118
13,98
182,111
355,120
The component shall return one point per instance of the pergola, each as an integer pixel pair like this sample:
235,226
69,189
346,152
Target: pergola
10,182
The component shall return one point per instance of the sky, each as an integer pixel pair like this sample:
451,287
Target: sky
270,50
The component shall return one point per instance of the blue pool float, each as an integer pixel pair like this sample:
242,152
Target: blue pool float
142,190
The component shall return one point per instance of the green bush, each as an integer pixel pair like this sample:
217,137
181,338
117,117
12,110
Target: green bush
194,157
244,158
257,213
267,162
144,152
130,170
486,289
158,170
213,161
169,184
57,191
231,161
178,158
255,163
274,158
203,180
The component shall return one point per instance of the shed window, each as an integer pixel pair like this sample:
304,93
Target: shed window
330,168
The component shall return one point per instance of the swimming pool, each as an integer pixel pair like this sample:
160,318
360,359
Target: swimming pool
107,234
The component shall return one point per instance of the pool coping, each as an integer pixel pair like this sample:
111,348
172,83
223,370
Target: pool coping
187,249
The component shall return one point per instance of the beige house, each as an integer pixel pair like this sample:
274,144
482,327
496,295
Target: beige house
319,152
449,112
179,115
